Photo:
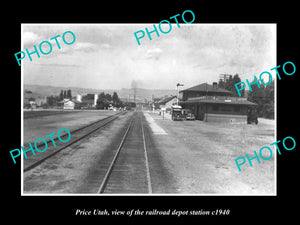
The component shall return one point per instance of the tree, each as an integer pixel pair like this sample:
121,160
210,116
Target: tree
221,84
269,101
102,102
65,94
101,96
88,96
229,84
52,100
61,95
236,79
115,98
69,94
264,98
108,97
257,94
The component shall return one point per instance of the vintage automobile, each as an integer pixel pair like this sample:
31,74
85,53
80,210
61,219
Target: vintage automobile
187,114
176,112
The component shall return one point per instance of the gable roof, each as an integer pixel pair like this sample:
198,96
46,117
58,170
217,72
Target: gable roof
65,100
165,100
206,87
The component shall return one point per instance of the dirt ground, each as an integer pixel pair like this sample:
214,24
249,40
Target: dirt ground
201,156
40,126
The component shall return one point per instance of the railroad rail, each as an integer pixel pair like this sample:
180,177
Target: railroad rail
77,135
129,171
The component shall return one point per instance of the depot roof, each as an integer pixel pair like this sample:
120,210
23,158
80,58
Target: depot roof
232,101
204,87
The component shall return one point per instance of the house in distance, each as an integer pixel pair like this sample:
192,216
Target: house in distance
166,102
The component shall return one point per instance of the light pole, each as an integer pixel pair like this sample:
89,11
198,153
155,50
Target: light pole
178,84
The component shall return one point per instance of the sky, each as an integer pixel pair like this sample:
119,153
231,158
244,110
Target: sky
107,56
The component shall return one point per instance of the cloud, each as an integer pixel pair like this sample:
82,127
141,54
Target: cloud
153,53
105,46
84,46
90,47
143,54
30,38
59,65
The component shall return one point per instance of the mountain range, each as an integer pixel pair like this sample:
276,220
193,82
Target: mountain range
125,94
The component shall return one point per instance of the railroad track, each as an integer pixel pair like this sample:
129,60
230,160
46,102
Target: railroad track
77,135
129,171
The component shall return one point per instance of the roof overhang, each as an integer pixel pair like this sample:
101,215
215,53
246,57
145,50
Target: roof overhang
218,101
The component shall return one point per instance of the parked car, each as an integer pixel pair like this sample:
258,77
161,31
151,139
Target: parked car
190,116
187,114
176,112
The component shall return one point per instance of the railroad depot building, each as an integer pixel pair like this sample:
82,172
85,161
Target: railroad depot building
213,104
166,102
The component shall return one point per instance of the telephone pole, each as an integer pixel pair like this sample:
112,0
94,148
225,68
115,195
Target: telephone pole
178,84
224,77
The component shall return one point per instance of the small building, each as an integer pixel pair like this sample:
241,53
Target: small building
78,98
167,102
89,100
212,104
32,104
66,104
40,101
154,103
69,104
33,100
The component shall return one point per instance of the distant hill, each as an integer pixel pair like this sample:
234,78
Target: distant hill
142,93
45,90
125,93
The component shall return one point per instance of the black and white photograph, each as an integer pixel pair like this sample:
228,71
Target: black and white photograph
149,113
149,109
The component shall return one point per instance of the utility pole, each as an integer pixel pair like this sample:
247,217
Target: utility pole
224,77
134,94
178,84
